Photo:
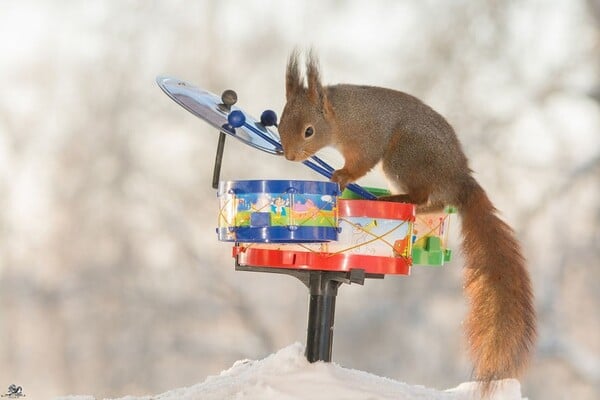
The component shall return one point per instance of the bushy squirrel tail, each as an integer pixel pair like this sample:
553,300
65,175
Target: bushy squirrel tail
500,325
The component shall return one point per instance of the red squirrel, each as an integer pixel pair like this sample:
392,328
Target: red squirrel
421,156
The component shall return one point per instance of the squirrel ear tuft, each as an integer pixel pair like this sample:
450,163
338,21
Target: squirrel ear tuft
293,79
315,89
316,93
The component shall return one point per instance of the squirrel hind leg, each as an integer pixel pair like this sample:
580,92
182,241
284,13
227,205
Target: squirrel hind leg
414,195
396,198
429,207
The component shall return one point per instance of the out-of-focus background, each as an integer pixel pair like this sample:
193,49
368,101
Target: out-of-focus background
112,281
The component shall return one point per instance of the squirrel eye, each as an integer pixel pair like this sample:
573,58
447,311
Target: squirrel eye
309,132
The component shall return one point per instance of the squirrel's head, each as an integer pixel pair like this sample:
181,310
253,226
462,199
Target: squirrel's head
307,120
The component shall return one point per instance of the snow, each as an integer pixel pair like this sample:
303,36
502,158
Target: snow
286,375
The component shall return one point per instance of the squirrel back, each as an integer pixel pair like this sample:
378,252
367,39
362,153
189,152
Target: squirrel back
423,159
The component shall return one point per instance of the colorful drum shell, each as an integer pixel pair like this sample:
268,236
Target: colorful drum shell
430,238
277,211
375,236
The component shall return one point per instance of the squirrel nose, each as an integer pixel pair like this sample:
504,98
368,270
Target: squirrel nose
290,156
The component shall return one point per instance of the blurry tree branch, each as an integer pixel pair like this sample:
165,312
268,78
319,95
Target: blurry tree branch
590,167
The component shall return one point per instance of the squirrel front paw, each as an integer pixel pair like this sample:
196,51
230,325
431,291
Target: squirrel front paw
342,177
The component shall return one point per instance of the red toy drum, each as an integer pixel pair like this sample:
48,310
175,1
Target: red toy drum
374,236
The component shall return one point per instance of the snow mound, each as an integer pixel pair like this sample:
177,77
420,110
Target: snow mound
286,375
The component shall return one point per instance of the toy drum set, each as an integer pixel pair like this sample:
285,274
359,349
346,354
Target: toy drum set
308,229
290,224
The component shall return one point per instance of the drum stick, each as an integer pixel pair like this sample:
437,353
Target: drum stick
323,163
326,170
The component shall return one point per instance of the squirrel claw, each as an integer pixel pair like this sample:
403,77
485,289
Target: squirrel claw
342,178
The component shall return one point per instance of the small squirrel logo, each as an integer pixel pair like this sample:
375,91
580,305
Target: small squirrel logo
14,392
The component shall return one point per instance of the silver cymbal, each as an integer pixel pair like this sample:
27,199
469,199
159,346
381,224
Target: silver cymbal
211,109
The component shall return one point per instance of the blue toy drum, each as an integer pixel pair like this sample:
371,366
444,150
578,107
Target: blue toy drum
278,211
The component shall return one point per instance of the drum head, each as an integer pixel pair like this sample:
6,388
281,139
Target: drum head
205,105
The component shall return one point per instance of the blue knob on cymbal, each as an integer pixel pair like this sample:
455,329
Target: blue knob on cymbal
236,118
268,118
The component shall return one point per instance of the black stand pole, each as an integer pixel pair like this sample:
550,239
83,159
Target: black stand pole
323,286
321,315
228,98
218,160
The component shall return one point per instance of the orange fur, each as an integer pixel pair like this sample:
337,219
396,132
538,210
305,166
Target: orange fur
500,326
421,154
